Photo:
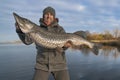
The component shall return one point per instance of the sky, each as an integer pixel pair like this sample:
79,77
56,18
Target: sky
74,15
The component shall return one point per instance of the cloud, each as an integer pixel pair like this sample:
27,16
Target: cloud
67,5
80,8
105,3
73,15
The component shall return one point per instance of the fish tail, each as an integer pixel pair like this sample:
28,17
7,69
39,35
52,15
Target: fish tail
95,49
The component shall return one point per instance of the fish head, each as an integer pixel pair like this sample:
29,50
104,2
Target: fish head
24,24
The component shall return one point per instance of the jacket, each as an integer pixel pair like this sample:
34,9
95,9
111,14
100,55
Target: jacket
47,59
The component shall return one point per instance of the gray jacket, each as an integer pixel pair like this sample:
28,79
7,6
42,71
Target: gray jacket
47,59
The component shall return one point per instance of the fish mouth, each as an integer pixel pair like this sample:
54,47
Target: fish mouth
17,17
20,22
23,23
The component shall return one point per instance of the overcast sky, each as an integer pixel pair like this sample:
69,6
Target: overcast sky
74,15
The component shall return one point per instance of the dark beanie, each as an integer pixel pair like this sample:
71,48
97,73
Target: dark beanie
49,9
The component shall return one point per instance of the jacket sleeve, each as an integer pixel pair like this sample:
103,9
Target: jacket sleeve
24,37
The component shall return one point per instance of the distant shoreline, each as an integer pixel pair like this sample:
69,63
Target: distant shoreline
107,42
12,42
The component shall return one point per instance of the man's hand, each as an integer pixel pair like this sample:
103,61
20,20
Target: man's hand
68,44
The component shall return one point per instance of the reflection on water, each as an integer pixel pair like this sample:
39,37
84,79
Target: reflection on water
86,65
17,63
105,51
110,51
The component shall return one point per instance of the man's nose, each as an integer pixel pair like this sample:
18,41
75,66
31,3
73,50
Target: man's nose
48,15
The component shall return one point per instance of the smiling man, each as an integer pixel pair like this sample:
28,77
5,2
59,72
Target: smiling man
48,61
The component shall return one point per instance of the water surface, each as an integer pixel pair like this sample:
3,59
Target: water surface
17,63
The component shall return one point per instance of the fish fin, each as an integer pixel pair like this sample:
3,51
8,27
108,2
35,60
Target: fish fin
80,47
95,49
82,34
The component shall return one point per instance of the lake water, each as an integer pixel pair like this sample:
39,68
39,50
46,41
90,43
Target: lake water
17,63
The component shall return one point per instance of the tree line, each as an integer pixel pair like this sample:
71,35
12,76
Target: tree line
106,35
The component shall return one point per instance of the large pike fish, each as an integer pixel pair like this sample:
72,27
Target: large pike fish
48,39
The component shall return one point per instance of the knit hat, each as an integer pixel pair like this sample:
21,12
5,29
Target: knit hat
49,9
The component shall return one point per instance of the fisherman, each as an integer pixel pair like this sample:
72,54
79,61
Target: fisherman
48,61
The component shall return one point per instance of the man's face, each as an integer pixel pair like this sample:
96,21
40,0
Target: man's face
48,18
